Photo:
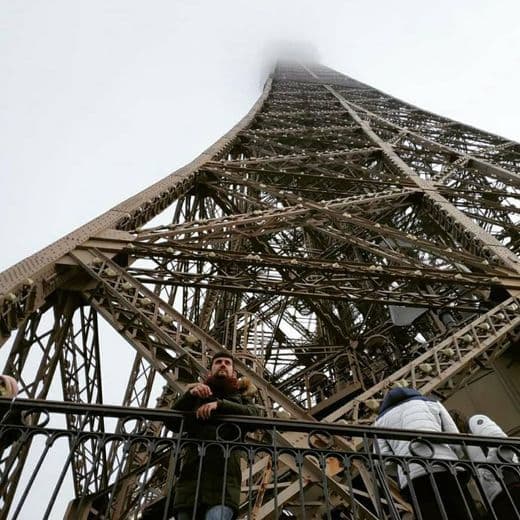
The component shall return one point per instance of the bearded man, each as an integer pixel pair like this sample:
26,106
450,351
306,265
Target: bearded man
214,487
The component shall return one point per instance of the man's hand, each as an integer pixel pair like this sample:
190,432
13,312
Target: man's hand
204,411
201,390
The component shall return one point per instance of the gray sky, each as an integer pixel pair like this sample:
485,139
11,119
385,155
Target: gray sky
101,98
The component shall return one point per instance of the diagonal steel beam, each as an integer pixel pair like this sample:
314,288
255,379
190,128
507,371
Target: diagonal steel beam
470,234
431,370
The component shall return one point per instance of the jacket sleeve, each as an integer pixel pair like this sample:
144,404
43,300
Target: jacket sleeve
384,447
448,425
381,448
227,407
185,403
483,425
447,422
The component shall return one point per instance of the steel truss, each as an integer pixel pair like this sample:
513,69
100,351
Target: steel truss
337,240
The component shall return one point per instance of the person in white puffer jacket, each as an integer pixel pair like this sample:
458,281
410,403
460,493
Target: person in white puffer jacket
408,409
483,426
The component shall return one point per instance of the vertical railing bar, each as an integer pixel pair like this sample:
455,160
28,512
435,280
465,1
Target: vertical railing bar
62,476
202,450
347,465
171,470
150,446
453,471
299,463
19,444
48,444
505,489
411,489
323,466
251,459
126,449
275,473
433,482
226,449
373,469
380,466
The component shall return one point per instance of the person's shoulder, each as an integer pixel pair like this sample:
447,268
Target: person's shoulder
435,404
481,424
418,408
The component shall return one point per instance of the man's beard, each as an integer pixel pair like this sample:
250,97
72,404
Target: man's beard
222,385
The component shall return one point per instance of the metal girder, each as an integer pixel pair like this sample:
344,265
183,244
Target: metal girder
161,253
319,287
47,342
81,383
133,305
488,335
128,306
484,166
137,394
299,212
467,232
43,333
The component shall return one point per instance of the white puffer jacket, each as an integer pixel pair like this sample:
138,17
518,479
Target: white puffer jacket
407,409
483,425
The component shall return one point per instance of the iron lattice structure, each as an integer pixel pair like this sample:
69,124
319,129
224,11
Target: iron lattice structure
338,240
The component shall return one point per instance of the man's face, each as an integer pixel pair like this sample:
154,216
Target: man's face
222,367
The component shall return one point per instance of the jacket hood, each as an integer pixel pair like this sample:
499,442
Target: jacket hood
246,387
397,396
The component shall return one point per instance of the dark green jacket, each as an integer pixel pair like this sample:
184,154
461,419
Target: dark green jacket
213,470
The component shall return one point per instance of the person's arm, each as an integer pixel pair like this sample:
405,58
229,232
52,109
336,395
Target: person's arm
189,400
227,407
381,448
185,403
483,425
448,425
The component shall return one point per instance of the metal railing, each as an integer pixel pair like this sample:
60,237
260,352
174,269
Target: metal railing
263,468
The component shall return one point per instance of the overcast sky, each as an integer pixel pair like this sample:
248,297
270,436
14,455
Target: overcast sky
98,99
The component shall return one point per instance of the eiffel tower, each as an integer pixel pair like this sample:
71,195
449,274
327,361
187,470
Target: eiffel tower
337,240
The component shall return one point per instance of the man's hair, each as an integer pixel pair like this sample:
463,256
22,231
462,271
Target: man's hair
460,420
219,355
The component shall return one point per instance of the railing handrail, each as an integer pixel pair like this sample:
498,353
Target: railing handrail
175,418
